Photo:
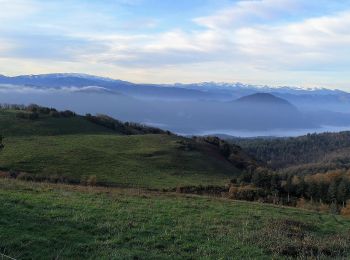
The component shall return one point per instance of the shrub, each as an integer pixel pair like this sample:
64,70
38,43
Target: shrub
91,180
248,192
32,108
67,113
203,190
54,113
26,115
311,205
346,210
102,120
13,174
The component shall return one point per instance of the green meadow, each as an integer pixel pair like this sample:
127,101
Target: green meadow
48,221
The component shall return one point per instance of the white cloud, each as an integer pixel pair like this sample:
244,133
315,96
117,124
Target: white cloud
253,11
6,46
313,44
16,9
253,37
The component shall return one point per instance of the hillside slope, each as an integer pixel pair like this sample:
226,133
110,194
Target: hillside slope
76,150
153,161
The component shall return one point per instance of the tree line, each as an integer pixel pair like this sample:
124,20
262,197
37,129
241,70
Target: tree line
261,184
128,128
33,112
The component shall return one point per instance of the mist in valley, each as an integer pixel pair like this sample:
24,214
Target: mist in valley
260,114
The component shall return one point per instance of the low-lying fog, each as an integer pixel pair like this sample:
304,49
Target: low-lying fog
188,117
275,132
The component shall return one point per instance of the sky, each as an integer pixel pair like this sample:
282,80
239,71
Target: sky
266,42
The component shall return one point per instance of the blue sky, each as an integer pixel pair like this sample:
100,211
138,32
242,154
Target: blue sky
273,42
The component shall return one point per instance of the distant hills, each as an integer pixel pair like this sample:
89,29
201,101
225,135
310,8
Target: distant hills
66,80
185,108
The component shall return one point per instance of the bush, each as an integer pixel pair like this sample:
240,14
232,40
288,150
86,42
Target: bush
32,108
315,206
54,114
346,210
203,190
90,180
26,115
248,192
67,113
13,174
103,120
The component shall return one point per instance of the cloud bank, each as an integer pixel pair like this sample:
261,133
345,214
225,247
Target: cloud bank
272,42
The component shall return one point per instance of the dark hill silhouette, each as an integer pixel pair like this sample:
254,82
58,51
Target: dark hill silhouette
264,98
266,111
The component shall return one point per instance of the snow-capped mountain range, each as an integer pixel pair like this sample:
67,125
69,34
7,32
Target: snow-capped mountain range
209,90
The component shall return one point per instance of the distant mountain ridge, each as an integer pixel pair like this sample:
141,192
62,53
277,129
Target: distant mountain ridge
59,80
230,90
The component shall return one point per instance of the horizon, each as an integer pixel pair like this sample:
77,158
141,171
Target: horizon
258,42
174,84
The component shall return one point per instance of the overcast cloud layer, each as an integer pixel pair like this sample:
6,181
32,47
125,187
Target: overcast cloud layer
275,42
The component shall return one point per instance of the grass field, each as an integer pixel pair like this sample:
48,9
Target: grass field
152,161
47,221
76,150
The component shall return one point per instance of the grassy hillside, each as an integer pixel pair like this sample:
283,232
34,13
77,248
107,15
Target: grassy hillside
77,150
153,161
55,221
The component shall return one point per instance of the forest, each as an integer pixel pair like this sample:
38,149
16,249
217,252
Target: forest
312,149
312,169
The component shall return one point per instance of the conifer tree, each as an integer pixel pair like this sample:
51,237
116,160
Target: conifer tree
343,191
332,192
